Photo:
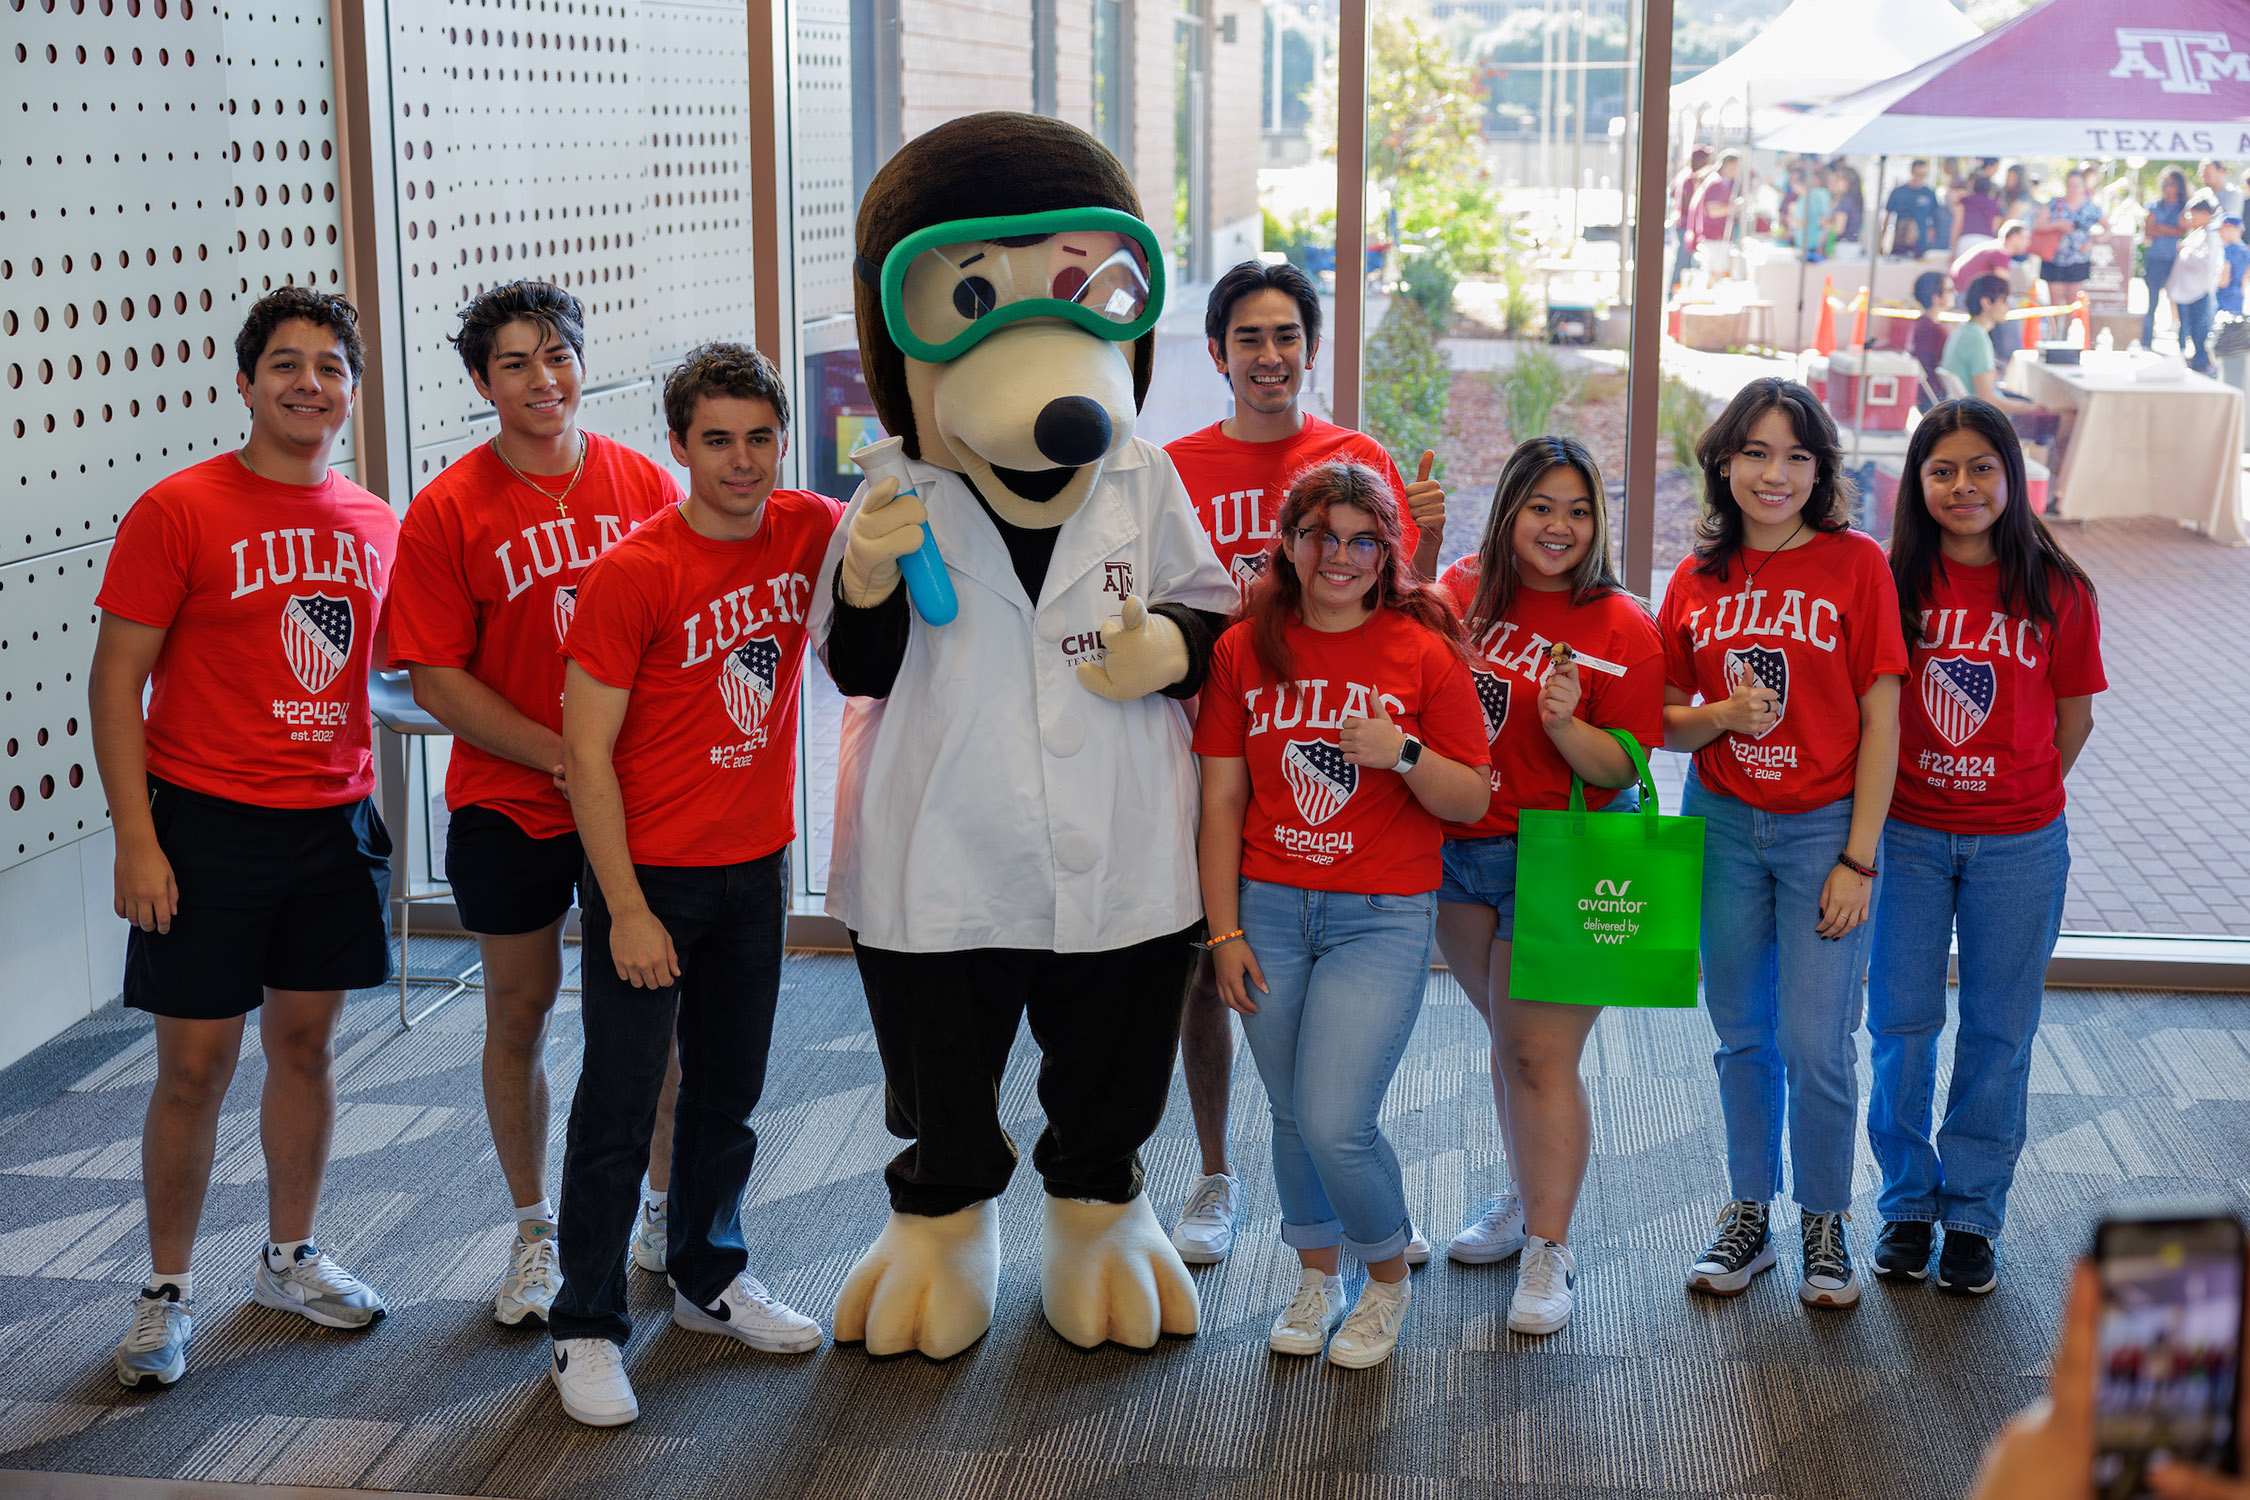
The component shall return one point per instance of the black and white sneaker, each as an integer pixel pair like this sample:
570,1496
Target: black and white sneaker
1902,1250
1829,1280
1741,1251
1967,1265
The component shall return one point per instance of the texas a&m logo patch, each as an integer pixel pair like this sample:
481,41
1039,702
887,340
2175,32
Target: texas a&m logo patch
1319,778
1117,578
1767,668
316,637
746,682
1957,694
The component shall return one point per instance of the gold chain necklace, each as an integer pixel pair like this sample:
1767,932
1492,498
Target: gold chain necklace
578,472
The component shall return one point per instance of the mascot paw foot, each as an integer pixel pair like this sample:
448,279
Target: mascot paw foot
1108,1272
927,1284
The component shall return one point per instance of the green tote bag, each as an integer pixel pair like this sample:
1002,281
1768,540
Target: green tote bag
1608,905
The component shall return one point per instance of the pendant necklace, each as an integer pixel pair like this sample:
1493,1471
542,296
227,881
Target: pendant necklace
578,472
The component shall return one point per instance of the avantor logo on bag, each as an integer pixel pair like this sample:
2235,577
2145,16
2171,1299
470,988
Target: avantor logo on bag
1609,895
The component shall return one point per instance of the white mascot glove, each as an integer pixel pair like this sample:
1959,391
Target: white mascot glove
886,528
1144,652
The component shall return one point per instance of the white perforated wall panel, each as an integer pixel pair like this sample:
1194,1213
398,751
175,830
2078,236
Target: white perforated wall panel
821,142
600,146
165,162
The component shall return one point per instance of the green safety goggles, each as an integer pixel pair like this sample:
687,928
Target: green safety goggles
946,287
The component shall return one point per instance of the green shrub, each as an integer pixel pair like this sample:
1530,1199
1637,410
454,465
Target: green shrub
1520,312
1534,389
1408,383
1429,279
1682,412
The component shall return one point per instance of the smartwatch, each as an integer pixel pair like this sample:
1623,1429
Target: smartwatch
1409,755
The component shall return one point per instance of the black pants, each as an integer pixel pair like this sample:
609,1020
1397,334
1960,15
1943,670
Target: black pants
726,923
1107,1025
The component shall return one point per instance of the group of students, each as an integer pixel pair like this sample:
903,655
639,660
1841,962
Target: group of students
619,665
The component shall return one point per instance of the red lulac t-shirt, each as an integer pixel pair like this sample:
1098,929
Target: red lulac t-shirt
1315,820
1977,720
1512,661
1236,488
709,637
488,576
1817,624
270,596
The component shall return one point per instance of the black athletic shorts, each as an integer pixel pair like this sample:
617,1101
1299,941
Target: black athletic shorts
285,898
2070,275
504,880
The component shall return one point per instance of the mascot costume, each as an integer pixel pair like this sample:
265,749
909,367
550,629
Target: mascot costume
1016,813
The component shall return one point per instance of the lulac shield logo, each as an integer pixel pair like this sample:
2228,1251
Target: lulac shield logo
1319,777
1248,569
746,682
566,606
316,636
1957,694
1492,697
1767,668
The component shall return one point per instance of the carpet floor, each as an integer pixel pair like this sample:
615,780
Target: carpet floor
1649,1391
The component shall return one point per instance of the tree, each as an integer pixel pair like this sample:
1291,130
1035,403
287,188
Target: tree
1425,105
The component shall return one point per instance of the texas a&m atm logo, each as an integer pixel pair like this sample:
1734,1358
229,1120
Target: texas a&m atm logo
1117,578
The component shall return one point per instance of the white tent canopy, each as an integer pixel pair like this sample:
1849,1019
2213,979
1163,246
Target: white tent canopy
1818,50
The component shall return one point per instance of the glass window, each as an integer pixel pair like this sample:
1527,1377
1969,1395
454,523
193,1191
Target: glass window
1111,50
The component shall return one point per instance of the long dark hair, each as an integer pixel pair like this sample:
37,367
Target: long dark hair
1530,464
1718,535
2028,556
2164,183
1278,598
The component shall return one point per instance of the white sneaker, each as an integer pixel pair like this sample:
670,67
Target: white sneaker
748,1312
1417,1251
1304,1325
1205,1232
1493,1235
1543,1299
589,1375
1370,1333
648,1238
528,1290
318,1289
155,1343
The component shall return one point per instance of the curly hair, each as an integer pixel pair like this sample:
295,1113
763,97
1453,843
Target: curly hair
722,370
301,303
556,312
1278,597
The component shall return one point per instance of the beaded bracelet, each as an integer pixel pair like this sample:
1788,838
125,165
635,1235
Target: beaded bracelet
1853,865
1222,940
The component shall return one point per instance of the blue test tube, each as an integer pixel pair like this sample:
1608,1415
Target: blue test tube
927,582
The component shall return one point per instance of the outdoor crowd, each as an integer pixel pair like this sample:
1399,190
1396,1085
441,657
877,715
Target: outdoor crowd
1879,742
1994,226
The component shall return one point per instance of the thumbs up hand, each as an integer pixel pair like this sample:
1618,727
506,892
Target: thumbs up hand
1142,652
1425,497
1373,742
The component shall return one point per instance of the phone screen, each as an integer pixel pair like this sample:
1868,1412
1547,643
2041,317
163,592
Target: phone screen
2169,1352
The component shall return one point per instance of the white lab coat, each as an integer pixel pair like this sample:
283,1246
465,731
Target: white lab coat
992,801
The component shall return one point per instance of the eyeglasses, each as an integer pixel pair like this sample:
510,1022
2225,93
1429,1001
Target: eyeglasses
1363,551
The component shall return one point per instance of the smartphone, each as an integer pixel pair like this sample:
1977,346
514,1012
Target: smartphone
2168,1359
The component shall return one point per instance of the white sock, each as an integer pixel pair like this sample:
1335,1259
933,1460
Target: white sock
542,1211
1335,1282
159,1279
651,1196
282,1254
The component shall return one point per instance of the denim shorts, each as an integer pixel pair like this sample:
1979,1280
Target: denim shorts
1482,872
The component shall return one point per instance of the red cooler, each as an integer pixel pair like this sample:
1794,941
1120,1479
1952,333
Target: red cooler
1891,381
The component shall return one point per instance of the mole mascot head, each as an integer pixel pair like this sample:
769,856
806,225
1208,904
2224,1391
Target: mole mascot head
1007,293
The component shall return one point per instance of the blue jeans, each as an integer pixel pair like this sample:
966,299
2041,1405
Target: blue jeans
1783,999
726,923
2195,329
1345,975
2004,892
2154,273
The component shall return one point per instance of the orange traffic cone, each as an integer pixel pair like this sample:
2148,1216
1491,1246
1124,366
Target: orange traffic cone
1824,330
1859,319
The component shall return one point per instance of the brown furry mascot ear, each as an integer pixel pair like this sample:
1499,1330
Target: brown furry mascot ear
979,166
